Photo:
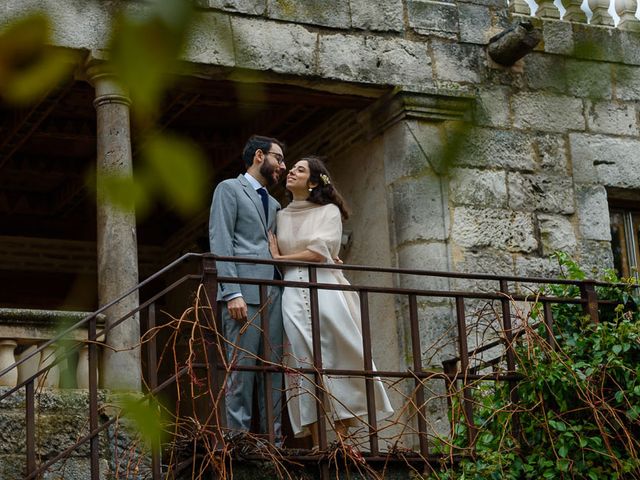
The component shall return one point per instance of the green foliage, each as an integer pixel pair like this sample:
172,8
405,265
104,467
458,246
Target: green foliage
147,417
145,52
578,406
29,69
144,56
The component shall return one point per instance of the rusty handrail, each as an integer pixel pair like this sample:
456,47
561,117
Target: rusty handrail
588,300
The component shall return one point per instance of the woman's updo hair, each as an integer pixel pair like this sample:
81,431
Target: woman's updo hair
324,192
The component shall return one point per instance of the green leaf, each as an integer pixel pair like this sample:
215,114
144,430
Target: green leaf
124,192
616,349
29,68
178,169
563,464
147,417
563,450
145,50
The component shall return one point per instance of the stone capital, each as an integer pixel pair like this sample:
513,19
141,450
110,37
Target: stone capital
101,76
399,105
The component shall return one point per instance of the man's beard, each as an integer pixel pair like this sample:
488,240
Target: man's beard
267,171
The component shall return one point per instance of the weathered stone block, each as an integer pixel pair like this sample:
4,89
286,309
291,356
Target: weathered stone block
536,267
629,46
75,23
374,59
210,40
597,43
418,210
491,261
496,148
329,13
264,45
424,256
502,229
474,22
613,162
404,149
386,15
614,118
593,212
545,72
251,7
627,81
557,37
484,188
589,79
551,151
437,334
546,112
540,192
595,257
492,107
457,62
556,233
433,18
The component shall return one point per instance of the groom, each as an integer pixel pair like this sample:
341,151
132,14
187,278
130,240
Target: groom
242,212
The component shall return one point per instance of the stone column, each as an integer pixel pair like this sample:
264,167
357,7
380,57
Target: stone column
412,129
116,239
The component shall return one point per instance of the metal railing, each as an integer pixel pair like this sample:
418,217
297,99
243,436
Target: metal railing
458,369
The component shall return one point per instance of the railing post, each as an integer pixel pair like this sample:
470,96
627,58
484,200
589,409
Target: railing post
464,368
31,426
213,347
548,321
266,361
93,399
317,365
588,293
152,381
511,358
368,366
417,369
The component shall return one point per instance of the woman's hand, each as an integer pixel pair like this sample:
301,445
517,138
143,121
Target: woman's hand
273,246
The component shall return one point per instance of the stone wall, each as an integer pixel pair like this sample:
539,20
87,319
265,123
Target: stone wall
62,418
545,141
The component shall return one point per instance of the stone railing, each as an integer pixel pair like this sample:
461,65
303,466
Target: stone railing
22,331
623,14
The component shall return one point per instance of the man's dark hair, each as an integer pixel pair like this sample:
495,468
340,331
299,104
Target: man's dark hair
258,142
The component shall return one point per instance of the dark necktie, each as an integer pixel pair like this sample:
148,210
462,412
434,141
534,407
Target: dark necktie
265,202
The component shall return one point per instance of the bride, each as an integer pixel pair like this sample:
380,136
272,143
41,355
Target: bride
310,230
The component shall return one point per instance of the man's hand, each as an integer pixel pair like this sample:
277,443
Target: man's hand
238,309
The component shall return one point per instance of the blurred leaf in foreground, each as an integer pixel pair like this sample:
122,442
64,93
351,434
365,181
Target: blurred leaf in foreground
147,417
145,50
29,68
177,169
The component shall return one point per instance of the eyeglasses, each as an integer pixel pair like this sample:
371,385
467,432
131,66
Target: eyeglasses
279,157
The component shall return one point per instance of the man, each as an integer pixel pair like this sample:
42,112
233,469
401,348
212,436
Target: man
242,214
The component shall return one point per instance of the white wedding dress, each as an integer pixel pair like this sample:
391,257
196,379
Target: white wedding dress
305,225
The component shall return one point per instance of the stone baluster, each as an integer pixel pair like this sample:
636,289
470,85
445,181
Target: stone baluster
574,12
7,358
547,9
51,378
520,7
627,11
29,367
600,12
82,368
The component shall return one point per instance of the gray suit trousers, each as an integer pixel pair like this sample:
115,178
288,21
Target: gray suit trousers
247,349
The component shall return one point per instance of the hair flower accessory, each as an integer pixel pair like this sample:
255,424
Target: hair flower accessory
325,179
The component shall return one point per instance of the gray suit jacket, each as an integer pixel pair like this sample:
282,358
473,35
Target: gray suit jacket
237,227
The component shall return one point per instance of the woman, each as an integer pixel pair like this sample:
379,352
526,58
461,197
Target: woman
310,230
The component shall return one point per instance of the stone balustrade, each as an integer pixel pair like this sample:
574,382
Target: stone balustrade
623,14
22,331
